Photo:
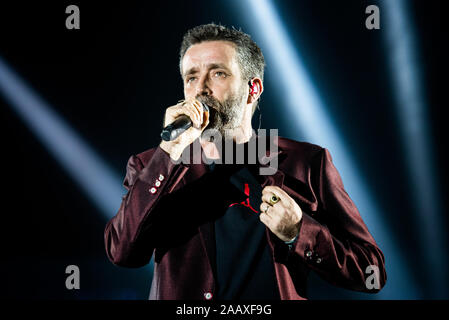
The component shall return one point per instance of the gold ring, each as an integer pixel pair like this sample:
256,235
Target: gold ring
274,199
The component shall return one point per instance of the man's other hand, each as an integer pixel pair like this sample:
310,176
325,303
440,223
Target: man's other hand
280,213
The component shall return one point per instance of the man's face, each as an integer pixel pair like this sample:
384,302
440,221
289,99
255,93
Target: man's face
212,75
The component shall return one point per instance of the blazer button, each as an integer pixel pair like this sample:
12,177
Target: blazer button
157,183
309,254
318,260
161,177
208,295
153,190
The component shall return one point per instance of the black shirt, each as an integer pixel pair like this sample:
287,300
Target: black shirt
244,263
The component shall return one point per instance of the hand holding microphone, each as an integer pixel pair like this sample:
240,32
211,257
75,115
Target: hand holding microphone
183,123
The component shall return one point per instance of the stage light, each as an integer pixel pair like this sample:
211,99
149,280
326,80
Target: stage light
405,67
96,179
308,118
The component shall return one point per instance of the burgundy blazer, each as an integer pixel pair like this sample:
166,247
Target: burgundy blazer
167,213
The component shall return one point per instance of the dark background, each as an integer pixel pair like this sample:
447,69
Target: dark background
112,80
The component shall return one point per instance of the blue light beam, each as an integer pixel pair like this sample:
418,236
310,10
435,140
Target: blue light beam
97,180
417,143
306,110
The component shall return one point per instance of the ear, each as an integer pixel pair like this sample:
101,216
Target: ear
255,89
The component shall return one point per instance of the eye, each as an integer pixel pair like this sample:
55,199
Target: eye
220,74
190,79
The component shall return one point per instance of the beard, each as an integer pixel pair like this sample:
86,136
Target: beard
225,115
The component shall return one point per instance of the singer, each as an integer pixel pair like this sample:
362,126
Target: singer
223,231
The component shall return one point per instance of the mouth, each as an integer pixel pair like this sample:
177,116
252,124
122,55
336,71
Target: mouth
205,107
210,102
217,114
213,114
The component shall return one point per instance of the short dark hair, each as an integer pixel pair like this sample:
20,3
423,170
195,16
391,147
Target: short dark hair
249,55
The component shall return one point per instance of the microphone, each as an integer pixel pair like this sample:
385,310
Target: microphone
177,127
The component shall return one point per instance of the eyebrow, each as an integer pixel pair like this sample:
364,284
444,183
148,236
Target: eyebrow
211,66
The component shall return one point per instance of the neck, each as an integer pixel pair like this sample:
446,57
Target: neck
210,149
239,136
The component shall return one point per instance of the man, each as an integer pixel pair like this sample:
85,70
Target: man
225,231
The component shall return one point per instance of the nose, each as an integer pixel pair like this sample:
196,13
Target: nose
203,88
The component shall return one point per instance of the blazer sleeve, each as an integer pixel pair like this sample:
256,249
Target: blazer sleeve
337,244
129,235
